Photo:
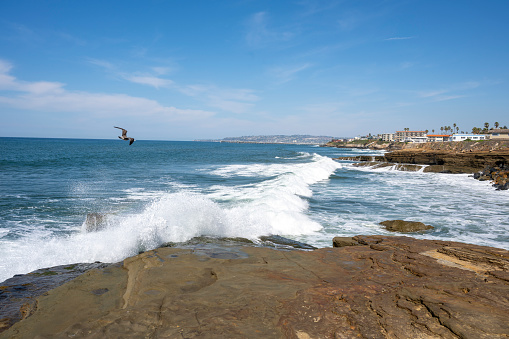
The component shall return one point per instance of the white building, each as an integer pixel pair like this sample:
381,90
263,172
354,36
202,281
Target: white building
387,136
416,139
402,135
463,137
438,137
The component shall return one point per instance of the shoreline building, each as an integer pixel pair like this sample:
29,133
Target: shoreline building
498,134
438,137
388,137
415,136
463,137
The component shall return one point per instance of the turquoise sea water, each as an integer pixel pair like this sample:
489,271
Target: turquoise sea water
155,192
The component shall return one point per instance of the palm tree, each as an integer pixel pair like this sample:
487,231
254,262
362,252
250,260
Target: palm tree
453,127
442,130
486,125
432,131
457,129
496,124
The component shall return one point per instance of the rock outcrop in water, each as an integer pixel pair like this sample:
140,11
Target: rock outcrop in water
405,226
94,222
499,175
377,287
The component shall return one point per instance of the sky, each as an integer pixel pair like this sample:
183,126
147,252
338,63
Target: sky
201,69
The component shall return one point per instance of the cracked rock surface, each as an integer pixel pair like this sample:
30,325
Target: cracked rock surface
373,287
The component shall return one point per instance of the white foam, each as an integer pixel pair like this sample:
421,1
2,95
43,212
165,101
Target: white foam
3,232
276,205
459,207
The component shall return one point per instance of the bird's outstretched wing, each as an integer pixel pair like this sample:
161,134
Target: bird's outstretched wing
131,140
124,132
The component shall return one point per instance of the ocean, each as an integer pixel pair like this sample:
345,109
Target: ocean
155,192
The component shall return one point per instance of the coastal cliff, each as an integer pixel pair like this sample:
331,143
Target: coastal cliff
372,287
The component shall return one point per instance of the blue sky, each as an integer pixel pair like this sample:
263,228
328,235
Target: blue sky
184,70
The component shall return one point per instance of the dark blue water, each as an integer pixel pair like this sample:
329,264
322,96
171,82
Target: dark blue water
154,192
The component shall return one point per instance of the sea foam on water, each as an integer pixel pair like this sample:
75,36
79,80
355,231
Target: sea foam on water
275,205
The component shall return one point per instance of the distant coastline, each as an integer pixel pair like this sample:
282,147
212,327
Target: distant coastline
275,139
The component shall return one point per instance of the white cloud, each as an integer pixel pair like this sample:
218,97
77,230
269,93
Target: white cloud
8,82
400,38
149,80
226,99
53,97
5,67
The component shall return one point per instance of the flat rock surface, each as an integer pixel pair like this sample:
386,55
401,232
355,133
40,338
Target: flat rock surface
384,287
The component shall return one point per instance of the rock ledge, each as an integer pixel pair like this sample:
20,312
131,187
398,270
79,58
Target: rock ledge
384,287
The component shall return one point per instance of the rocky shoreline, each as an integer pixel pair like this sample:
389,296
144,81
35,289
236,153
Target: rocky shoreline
368,286
486,161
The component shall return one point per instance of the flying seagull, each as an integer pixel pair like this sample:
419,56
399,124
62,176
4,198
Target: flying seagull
124,135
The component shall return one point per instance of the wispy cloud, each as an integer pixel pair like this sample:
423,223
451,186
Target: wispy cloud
312,7
260,35
101,63
400,38
226,99
19,32
450,92
53,97
284,74
149,80
230,100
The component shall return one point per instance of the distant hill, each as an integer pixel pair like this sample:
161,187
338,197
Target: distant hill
277,139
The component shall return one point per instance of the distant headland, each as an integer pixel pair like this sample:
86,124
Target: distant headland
276,139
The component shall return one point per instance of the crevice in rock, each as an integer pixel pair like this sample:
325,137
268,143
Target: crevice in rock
437,317
305,269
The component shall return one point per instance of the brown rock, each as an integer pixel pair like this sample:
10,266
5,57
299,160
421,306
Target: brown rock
392,287
452,161
344,241
405,226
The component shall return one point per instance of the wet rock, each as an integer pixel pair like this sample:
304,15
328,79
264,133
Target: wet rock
392,287
344,241
405,226
279,240
95,222
18,294
497,174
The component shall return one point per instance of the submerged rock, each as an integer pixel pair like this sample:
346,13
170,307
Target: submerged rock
387,287
405,226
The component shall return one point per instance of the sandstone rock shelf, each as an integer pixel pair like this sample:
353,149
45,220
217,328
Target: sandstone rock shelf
376,287
441,161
